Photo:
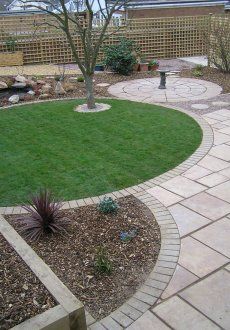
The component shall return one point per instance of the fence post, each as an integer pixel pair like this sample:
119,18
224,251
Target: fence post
209,36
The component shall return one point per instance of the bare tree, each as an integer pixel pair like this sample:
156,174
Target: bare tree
71,22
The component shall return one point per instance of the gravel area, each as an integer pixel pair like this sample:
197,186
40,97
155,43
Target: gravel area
22,295
72,257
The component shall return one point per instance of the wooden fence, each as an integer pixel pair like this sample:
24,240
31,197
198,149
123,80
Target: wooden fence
157,37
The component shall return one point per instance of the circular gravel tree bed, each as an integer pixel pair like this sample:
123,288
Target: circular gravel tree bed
78,155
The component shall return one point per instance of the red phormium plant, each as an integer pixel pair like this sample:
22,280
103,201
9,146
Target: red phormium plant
44,216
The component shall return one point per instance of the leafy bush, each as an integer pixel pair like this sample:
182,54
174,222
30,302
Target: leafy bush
102,262
121,57
197,73
80,79
44,216
198,70
108,205
153,63
217,40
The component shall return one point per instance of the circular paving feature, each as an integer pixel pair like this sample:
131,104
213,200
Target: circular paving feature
177,90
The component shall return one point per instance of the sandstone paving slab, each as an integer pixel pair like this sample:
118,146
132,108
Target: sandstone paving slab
221,191
220,103
212,121
228,267
225,130
187,220
164,196
213,115
225,172
220,138
216,235
211,297
207,205
212,163
196,172
180,315
223,112
183,186
148,321
213,179
218,125
180,280
222,151
198,258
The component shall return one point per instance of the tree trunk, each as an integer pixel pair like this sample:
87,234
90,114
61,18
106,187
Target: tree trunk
89,92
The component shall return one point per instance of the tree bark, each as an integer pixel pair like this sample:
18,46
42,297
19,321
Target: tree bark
90,100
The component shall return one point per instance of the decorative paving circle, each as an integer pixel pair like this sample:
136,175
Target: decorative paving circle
177,90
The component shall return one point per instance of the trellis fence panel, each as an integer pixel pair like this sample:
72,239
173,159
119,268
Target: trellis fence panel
168,37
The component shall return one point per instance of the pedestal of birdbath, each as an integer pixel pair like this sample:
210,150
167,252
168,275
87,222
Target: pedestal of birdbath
163,78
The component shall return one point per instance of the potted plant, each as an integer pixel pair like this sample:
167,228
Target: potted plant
153,65
99,67
11,57
143,66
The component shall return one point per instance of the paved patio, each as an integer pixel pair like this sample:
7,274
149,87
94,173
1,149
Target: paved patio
178,90
198,295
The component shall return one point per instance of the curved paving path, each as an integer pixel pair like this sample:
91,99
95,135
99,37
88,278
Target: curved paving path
197,195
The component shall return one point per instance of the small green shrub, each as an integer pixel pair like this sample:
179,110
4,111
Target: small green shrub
108,205
80,79
153,63
199,67
197,73
102,262
121,57
11,44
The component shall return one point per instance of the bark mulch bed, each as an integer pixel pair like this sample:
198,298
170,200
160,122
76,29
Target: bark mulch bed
213,75
22,295
72,257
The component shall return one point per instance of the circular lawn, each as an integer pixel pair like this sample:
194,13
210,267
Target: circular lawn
78,155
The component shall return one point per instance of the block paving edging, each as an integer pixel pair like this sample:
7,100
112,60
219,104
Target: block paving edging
147,295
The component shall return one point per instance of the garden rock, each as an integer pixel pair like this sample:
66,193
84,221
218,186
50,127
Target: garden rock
19,85
20,79
44,96
46,88
14,99
59,90
32,93
3,85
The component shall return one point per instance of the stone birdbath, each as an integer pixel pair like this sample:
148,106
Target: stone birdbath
163,78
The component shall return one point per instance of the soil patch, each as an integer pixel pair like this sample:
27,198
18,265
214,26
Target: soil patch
22,295
211,74
72,257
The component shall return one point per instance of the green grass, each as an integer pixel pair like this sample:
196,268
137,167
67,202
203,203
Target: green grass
79,155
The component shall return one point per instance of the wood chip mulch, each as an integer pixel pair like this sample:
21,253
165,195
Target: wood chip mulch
22,295
72,257
213,75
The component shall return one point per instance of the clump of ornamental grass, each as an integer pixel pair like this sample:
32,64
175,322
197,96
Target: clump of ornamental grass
44,216
102,261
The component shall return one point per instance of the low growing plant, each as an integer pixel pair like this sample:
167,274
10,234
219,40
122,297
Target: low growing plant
80,79
44,216
121,57
102,262
108,205
153,63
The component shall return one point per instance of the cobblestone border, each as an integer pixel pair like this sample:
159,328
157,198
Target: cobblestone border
148,294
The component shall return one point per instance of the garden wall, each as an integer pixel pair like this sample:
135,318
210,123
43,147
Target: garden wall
167,37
